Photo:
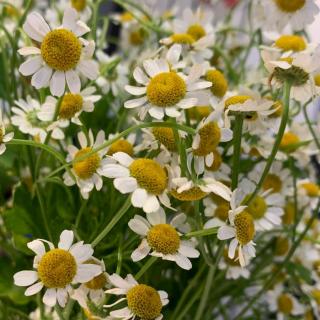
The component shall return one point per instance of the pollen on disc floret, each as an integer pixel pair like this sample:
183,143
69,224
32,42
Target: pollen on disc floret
192,194
86,167
290,6
70,105
79,5
166,137
244,227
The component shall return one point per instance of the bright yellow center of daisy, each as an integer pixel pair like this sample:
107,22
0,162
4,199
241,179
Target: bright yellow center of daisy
196,31
165,136
289,213
85,168
291,43
144,302
150,175
121,145
244,227
182,38
290,6
193,194
257,207
219,83
217,161
79,5
317,80
222,211
163,238
199,112
1,135
282,246
210,135
235,100
289,142
285,303
126,17
57,268
61,49
316,295
137,37
278,106
70,105
166,89
273,182
312,189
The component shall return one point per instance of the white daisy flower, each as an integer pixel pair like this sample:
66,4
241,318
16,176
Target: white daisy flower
308,193
88,171
57,268
241,230
146,179
163,239
164,90
122,145
63,55
4,138
143,302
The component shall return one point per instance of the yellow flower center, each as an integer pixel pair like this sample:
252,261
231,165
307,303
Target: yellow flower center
312,189
254,152
166,137
182,38
70,105
316,266
126,17
150,175
317,80
199,112
11,11
244,225
273,182
97,282
282,246
235,100
137,37
231,262
210,135
79,5
193,194
278,106
217,161
85,168
222,211
61,49
1,135
121,145
257,207
166,89
285,303
316,296
291,43
290,6
289,142
196,31
219,83
144,302
163,238
289,213
57,268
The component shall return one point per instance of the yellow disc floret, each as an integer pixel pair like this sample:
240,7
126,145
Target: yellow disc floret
144,302
317,80
222,211
235,100
166,137
199,112
244,227
219,83
166,89
182,38
290,6
70,105
311,189
210,135
257,207
61,49
137,37
121,145
278,107
97,282
79,5
150,175
193,194
281,246
272,182
289,142
285,304
57,268
1,135
163,238
86,167
289,213
126,17
291,43
196,31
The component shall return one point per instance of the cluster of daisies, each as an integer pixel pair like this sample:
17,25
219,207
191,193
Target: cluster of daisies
203,125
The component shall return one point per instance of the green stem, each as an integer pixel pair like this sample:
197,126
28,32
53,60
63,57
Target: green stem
295,197
282,128
146,266
43,213
83,207
202,233
68,309
314,135
58,310
113,222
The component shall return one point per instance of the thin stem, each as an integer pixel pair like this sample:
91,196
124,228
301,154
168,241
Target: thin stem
146,266
58,310
43,213
275,148
83,207
202,233
113,222
295,197
313,133
68,309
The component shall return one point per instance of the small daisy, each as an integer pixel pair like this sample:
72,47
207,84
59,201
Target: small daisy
308,193
241,230
145,178
4,138
87,172
62,55
163,239
122,145
57,268
164,90
143,302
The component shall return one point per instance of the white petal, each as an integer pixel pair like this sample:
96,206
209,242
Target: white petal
232,248
136,91
31,66
70,17
81,252
172,112
42,77
156,113
226,232
62,296
89,69
73,81
25,278
124,313
183,262
125,185
151,205
134,103
140,76
37,247
66,239
187,103
138,227
50,297
158,217
35,26
29,50
115,171
117,281
141,252
139,197
58,83
34,289
87,272
123,158
188,251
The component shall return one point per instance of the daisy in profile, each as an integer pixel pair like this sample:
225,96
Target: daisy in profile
4,138
162,239
145,178
241,230
165,91
87,171
62,55
143,301
57,269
